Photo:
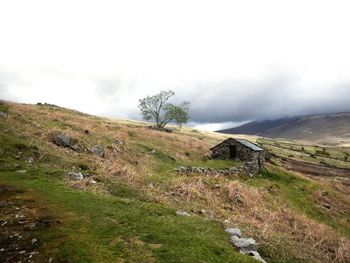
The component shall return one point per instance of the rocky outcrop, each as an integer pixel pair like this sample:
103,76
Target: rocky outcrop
64,140
246,246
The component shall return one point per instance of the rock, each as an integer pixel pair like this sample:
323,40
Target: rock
3,114
256,255
234,231
118,141
203,211
182,213
50,260
98,150
152,152
243,244
30,160
21,171
64,140
76,176
238,197
34,240
327,205
92,181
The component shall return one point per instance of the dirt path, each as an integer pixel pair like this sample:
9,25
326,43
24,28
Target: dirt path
22,222
314,169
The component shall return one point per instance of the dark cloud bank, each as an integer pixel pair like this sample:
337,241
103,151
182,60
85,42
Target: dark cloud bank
273,98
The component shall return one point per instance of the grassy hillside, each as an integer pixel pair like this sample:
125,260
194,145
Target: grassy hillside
128,215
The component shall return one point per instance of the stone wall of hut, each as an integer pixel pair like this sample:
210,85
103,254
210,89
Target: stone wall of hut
255,158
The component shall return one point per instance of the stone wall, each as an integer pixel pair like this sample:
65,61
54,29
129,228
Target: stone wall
255,159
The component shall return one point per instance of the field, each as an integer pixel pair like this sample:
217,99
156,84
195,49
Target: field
127,213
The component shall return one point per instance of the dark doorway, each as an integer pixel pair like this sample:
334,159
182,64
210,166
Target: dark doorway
233,151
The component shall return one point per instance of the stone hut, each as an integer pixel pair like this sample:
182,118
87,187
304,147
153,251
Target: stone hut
240,149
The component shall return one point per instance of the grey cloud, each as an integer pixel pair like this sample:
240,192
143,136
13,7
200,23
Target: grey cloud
274,97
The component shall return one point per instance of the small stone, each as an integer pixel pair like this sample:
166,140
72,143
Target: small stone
234,231
50,260
76,176
92,181
118,141
34,240
21,171
22,252
327,205
182,213
30,160
2,249
98,150
3,114
256,255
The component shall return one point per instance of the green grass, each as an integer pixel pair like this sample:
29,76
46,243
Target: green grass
297,192
102,228
4,108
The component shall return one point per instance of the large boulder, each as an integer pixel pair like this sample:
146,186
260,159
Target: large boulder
98,150
64,140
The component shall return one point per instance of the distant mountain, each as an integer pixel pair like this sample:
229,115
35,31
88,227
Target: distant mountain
324,128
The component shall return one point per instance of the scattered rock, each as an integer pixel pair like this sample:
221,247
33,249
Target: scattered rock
92,181
256,255
30,160
202,211
76,176
327,205
118,141
65,140
34,240
234,231
21,171
182,213
98,150
3,114
244,245
152,152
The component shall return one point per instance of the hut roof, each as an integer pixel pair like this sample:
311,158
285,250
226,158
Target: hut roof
244,142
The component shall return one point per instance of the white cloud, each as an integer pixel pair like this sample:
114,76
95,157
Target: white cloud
101,56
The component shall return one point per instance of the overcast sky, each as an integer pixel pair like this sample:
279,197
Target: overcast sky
233,60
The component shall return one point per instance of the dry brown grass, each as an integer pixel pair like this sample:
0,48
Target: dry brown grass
261,215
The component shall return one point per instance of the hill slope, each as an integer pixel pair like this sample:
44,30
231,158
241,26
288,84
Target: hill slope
324,129
123,210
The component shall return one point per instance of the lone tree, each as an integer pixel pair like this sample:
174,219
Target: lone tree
158,109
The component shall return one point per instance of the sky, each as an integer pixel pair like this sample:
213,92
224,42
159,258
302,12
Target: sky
234,61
